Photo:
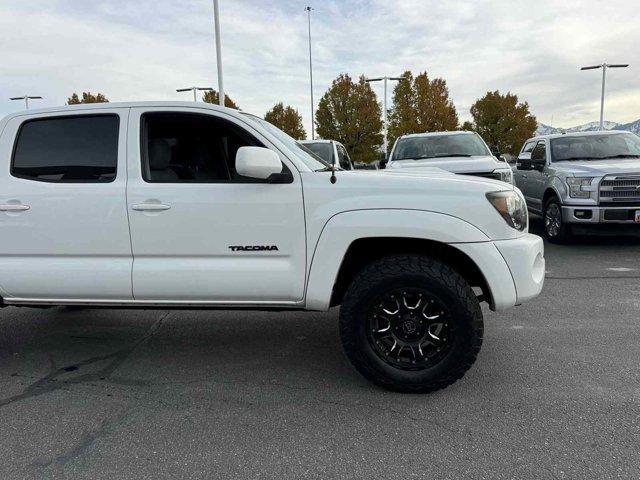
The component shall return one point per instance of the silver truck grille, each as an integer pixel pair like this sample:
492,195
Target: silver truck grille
621,188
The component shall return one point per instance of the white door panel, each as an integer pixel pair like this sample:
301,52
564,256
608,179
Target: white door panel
73,241
181,247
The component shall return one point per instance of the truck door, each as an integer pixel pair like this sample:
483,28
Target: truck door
64,233
537,176
200,231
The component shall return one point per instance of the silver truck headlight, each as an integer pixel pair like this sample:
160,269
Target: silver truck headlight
512,207
579,187
505,174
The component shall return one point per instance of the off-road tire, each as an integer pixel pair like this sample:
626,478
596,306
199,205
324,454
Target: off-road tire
408,271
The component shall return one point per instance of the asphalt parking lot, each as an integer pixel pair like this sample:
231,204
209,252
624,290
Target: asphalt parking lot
555,392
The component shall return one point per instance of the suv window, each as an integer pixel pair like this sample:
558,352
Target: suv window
192,148
76,149
343,158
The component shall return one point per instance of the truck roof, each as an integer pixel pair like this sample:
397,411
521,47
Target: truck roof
432,134
577,134
97,106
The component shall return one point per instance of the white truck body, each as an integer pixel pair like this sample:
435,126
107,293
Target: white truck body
132,242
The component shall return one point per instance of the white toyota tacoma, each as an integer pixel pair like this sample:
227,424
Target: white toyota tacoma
175,205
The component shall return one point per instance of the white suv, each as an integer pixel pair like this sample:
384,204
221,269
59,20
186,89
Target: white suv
173,205
458,152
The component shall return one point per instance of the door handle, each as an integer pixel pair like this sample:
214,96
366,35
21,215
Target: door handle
150,207
14,208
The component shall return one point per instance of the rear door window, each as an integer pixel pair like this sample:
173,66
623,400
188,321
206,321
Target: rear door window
71,149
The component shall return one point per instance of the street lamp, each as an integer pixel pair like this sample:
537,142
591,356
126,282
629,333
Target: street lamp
26,99
384,112
194,89
308,10
604,67
216,22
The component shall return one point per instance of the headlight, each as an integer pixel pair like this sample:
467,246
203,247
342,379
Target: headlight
505,174
579,186
512,207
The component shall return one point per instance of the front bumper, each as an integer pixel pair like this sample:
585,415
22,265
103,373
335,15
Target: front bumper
514,269
589,215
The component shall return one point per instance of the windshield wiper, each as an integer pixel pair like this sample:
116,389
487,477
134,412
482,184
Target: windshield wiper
622,155
443,155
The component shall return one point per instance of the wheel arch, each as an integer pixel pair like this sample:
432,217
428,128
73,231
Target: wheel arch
363,251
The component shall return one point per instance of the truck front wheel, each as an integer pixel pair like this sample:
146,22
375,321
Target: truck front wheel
411,323
555,230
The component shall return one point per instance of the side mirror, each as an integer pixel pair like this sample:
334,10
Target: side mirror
523,164
382,163
257,162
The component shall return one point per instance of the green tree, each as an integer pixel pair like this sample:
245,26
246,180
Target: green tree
421,105
467,126
87,97
349,113
211,96
286,119
502,122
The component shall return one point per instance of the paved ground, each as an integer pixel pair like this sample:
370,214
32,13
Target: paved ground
154,394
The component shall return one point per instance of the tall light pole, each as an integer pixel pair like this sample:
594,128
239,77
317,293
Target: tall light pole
384,111
26,99
194,89
604,67
308,10
216,21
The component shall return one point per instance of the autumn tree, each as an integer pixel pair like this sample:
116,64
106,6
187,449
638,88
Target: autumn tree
211,96
286,119
349,113
87,97
467,127
421,105
502,122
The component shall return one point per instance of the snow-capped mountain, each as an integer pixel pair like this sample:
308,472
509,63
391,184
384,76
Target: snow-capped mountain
590,127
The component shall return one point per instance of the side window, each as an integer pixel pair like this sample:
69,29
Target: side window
343,158
192,148
78,149
539,152
528,147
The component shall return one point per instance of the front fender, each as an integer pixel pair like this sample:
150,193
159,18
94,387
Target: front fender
341,230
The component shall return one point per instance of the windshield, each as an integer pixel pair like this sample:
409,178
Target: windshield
324,150
595,147
305,155
439,146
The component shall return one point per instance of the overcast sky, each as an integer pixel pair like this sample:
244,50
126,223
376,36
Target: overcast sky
144,50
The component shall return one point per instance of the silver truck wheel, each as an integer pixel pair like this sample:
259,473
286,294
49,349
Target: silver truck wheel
555,230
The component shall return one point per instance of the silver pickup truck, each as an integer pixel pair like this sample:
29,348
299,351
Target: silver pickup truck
580,181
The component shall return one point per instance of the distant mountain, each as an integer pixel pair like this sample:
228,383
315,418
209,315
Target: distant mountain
590,127
631,127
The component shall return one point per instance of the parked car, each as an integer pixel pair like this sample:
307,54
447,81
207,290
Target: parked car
582,180
330,151
458,152
175,205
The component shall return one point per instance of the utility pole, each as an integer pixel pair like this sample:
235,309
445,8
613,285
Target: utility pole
216,21
604,67
308,10
384,110
194,89
26,99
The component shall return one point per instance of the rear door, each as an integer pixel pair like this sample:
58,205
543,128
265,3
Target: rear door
64,233
522,170
200,232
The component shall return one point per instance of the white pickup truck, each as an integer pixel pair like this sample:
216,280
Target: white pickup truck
175,205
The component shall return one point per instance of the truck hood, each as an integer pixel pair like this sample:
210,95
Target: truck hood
453,164
597,168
